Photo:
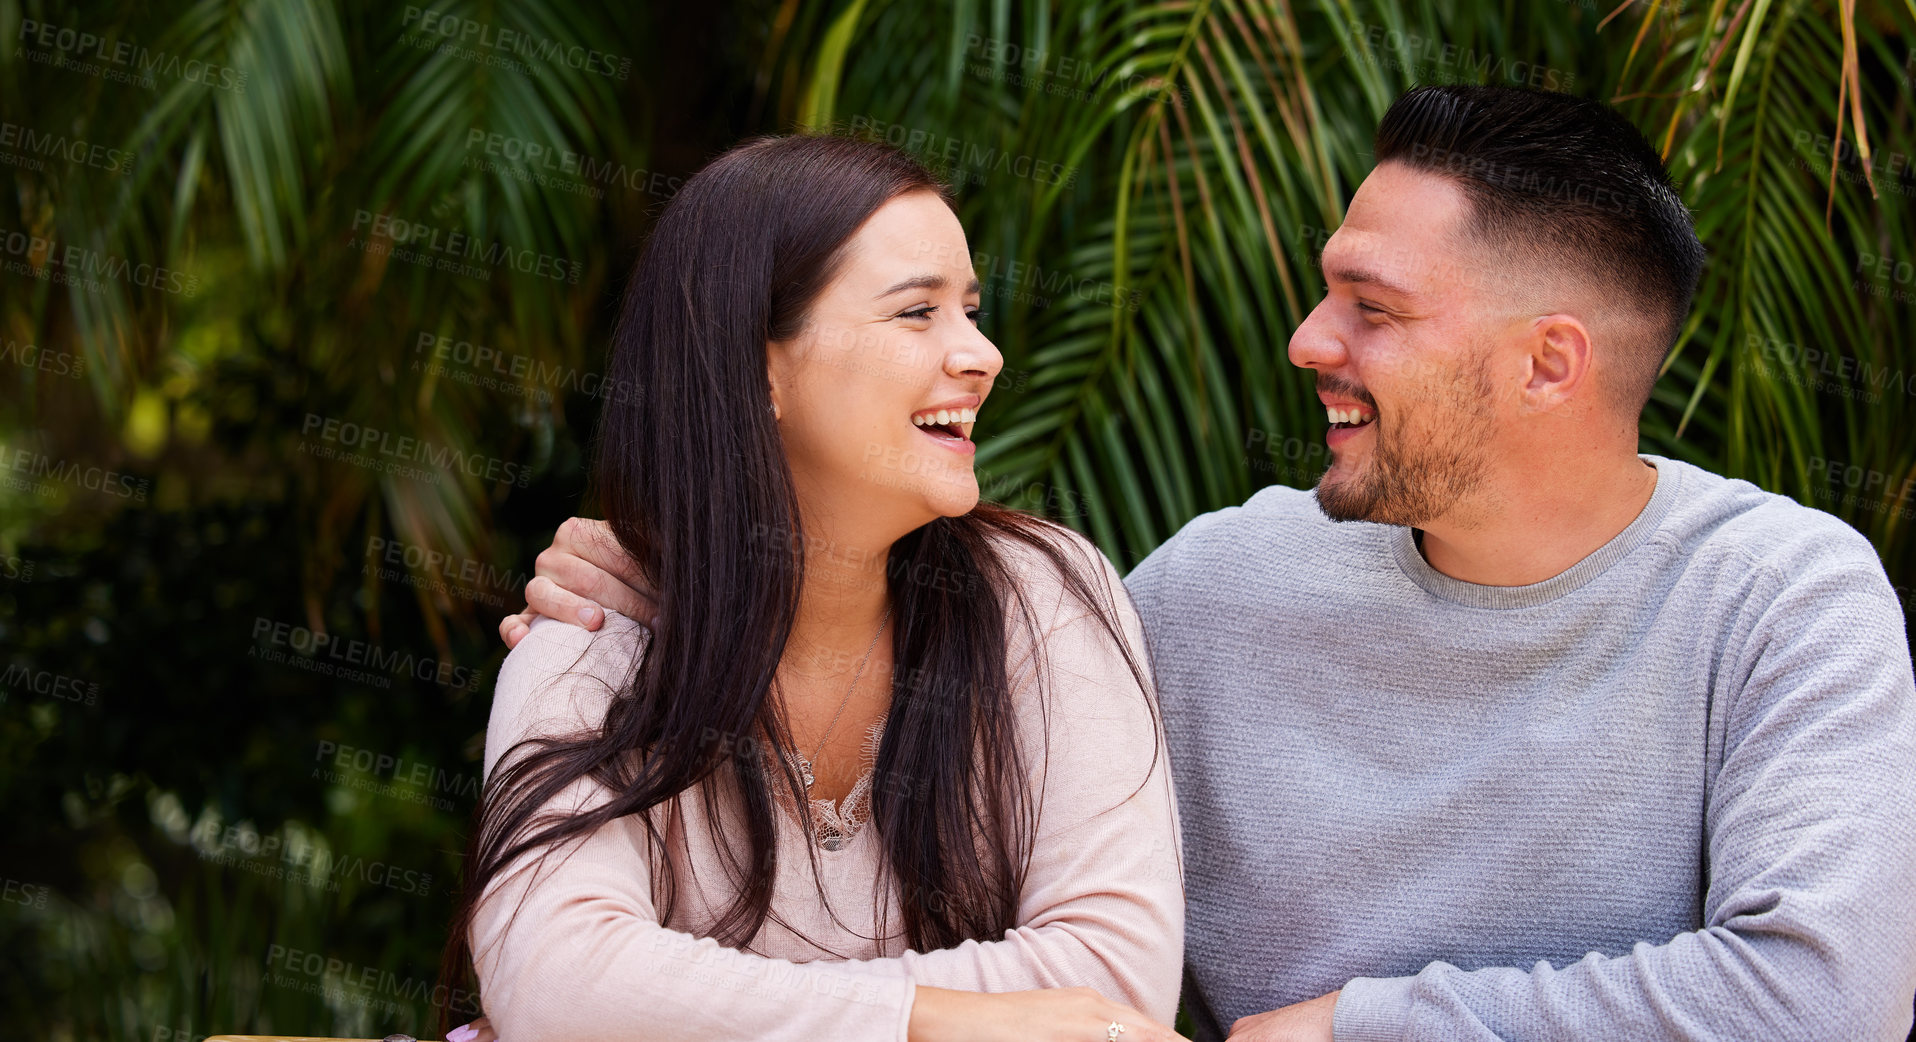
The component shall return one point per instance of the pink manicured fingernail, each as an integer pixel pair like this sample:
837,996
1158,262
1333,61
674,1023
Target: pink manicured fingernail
462,1033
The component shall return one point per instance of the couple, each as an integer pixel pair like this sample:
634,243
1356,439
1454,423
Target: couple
1504,731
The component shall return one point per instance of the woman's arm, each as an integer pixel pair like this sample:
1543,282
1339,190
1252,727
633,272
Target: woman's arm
1103,904
582,953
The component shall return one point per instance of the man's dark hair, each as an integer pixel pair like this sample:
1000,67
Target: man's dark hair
1563,179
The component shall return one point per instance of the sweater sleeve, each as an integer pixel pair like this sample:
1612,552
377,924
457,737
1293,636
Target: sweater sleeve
1810,914
1103,902
573,948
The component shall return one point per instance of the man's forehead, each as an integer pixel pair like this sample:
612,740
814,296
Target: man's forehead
1400,230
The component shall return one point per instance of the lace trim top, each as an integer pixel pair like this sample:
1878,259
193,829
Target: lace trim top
834,823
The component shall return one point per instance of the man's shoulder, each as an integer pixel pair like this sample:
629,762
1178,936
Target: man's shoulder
1274,516
1720,518
1276,539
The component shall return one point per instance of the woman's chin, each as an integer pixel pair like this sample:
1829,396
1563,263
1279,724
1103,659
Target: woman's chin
955,499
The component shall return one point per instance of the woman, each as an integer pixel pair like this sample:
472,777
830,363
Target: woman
885,763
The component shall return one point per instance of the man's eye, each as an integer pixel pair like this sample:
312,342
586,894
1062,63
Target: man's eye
1368,309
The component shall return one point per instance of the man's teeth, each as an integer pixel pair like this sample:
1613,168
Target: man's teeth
1346,415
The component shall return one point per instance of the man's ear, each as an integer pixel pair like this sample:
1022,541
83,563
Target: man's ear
1560,359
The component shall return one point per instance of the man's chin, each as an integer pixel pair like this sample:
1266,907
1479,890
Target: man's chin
1344,498
1338,505
1339,500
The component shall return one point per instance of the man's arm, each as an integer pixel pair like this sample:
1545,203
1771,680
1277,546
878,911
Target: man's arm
1810,913
582,573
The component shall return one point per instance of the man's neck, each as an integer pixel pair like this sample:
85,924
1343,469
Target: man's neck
1541,524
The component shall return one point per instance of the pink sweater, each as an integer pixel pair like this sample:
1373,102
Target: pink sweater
587,956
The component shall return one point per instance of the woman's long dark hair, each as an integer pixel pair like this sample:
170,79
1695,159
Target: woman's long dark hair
692,475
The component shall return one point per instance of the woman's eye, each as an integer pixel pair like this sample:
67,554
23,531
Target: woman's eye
974,314
920,313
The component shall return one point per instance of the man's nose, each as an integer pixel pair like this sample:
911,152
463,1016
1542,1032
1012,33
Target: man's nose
1314,344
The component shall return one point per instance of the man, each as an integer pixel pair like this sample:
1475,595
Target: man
1505,731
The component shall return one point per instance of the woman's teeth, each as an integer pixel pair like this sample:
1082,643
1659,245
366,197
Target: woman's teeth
944,416
952,423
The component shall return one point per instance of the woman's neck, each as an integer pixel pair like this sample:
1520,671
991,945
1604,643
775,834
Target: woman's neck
844,600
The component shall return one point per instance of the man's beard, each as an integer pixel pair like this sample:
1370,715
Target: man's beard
1423,462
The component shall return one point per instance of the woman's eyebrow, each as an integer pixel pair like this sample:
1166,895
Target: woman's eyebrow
931,282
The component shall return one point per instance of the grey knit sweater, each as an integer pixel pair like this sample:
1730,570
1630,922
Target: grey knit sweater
1667,794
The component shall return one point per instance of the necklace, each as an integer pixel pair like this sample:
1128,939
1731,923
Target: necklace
805,763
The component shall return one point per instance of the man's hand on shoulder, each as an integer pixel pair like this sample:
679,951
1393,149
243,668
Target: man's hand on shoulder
582,574
1300,1022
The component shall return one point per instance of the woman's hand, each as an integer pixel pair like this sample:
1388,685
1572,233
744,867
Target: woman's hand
582,573
478,1031
1047,1015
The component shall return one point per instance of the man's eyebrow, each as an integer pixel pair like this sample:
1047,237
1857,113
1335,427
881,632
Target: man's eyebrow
931,282
1370,278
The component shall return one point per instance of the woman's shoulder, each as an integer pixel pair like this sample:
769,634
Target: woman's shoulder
1043,566
559,680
